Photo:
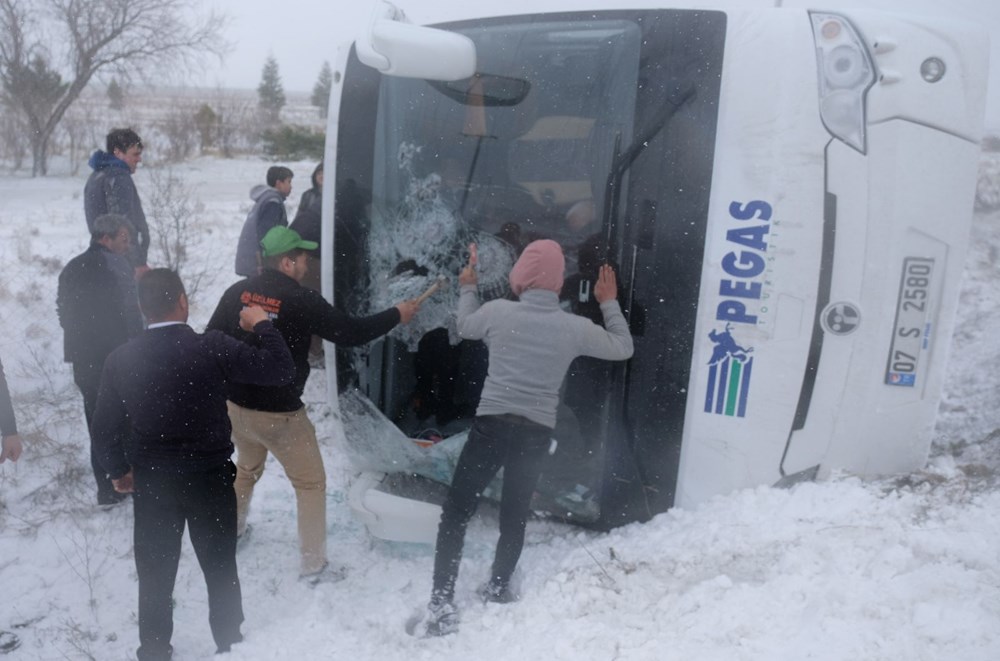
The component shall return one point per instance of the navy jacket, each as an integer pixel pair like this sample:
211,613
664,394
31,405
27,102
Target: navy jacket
162,402
298,313
97,305
110,189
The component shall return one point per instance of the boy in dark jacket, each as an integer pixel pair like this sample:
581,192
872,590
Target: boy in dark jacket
268,211
110,189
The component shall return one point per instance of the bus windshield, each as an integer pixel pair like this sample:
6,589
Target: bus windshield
538,144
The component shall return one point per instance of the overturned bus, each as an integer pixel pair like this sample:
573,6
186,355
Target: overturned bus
786,195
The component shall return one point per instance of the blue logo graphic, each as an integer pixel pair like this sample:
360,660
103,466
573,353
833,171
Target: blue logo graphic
728,375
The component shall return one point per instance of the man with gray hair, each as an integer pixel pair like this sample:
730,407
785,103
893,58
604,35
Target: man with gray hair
98,311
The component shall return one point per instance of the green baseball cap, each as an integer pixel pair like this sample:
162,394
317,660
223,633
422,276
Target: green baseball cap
279,239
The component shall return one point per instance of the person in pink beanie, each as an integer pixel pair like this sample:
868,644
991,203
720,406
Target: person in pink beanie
531,342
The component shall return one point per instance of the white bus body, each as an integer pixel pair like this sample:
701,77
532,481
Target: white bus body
786,195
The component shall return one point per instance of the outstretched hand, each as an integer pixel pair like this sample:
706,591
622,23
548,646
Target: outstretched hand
468,275
406,310
606,288
250,316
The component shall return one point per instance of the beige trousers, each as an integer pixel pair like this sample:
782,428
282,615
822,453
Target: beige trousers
291,438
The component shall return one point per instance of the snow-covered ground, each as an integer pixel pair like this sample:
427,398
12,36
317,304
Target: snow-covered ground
907,568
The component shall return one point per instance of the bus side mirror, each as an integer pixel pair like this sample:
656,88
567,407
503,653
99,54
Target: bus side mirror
402,49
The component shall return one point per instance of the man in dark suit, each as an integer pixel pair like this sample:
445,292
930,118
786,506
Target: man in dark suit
98,311
161,430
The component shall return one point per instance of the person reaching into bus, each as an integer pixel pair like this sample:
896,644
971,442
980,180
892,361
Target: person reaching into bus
531,343
272,419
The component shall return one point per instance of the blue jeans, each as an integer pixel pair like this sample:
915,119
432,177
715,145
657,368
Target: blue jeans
517,445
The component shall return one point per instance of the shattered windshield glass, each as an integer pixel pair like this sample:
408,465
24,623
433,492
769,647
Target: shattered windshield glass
519,152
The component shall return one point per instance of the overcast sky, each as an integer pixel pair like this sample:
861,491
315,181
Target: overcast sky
301,34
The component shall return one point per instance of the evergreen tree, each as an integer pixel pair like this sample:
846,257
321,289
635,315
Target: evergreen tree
270,93
321,90
206,121
116,95
33,90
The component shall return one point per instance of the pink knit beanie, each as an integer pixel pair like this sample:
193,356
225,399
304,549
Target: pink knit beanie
540,266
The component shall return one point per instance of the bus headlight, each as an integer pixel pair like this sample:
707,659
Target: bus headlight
846,71
844,67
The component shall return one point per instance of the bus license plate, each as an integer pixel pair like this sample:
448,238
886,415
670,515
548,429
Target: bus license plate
911,332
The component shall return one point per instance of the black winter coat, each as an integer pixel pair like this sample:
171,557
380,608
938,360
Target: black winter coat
97,305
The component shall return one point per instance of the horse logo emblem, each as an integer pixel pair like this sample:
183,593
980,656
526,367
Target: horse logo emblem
729,371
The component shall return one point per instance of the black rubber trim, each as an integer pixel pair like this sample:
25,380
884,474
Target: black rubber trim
822,300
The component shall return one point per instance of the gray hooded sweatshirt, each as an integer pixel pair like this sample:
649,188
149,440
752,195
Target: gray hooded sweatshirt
268,211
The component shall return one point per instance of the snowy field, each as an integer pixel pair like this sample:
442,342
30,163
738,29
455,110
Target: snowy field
907,568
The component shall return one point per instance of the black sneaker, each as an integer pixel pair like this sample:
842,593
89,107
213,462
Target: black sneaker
493,592
442,618
227,647
164,654
8,642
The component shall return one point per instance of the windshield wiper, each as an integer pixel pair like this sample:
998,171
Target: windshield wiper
624,160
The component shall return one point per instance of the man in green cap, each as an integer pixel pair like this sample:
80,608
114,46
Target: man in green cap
273,419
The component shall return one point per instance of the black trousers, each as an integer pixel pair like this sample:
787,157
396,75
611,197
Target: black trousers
164,501
520,447
87,377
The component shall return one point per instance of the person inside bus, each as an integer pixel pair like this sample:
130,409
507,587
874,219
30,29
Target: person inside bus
531,343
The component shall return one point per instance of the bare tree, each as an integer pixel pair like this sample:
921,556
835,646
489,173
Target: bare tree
177,232
180,133
125,37
239,125
80,130
13,136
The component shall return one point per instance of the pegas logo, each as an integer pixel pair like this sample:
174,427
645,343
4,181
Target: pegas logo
731,365
744,264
